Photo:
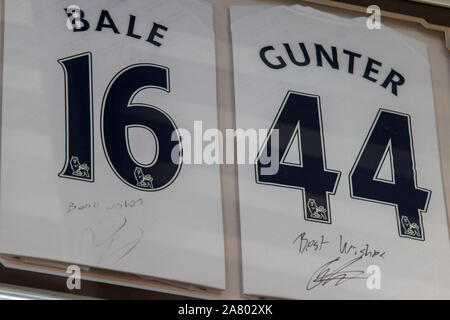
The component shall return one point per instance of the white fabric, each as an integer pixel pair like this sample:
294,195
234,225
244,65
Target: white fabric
272,217
182,224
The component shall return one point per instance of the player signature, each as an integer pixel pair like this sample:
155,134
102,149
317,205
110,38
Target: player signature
325,274
114,239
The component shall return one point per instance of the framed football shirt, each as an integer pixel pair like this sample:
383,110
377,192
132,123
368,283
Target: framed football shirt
94,96
346,187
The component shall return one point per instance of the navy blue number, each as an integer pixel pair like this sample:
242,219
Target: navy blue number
300,115
391,132
120,113
79,162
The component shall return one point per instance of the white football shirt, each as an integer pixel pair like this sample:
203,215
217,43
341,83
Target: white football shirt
91,96
356,207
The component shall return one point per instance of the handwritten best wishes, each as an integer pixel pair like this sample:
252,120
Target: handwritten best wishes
73,207
307,244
